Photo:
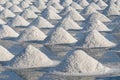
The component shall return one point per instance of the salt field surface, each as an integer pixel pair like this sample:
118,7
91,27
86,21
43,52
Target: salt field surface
59,39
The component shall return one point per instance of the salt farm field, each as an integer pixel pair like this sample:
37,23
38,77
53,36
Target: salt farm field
59,39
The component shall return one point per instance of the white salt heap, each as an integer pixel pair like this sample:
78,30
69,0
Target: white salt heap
57,6
76,6
5,55
6,13
19,21
66,2
1,8
31,57
40,22
14,1
97,25
15,9
112,9
83,3
2,22
6,31
7,4
68,24
40,4
89,10
3,1
99,16
23,5
101,3
52,9
28,14
75,15
34,9
80,62
94,5
61,36
50,14
95,39
32,33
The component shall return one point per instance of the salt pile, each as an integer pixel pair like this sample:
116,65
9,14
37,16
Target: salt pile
57,6
99,16
112,9
34,9
66,2
15,9
97,25
101,3
89,10
75,15
95,39
61,36
40,4
76,6
5,55
7,5
50,14
6,13
94,5
14,1
83,3
31,57
80,62
23,5
68,24
32,33
2,22
19,21
28,14
3,1
1,8
40,22
6,31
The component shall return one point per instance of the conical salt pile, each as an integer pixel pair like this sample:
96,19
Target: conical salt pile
83,3
5,55
19,21
89,10
95,39
97,25
101,3
57,6
2,22
32,33
68,24
31,57
3,1
66,2
15,9
1,8
14,1
28,14
80,62
40,4
75,15
99,16
112,9
23,5
94,5
118,3
7,4
52,9
61,36
76,6
50,14
40,22
6,31
6,13
34,9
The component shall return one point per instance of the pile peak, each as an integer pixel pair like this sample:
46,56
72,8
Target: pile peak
19,21
61,36
97,25
66,2
32,33
95,39
50,14
94,5
101,3
40,22
15,9
76,6
40,4
31,57
80,62
23,5
28,14
7,32
5,55
68,24
83,3
7,4
57,6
